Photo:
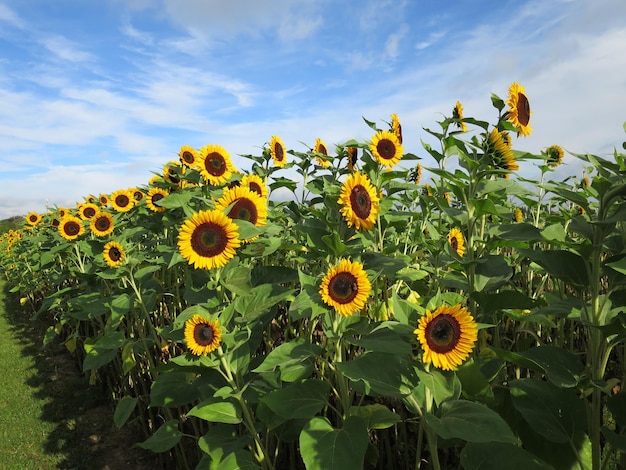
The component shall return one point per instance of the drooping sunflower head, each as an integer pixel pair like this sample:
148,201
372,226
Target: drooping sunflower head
33,218
188,155
386,148
71,227
122,200
447,336
87,210
320,147
278,152
215,165
172,172
519,111
396,127
101,224
113,254
499,153
208,239
255,183
457,114
554,156
203,336
353,155
346,287
416,175
456,241
359,201
153,197
240,202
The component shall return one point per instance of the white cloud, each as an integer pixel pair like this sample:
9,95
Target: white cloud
9,16
65,49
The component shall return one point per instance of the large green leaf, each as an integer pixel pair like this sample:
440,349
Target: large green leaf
295,359
325,448
376,416
561,367
298,400
492,272
442,385
173,389
259,300
239,460
166,437
123,410
493,455
388,337
217,410
562,264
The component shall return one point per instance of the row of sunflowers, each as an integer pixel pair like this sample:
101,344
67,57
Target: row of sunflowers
368,320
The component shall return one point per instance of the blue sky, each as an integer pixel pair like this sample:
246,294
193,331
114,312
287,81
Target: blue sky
96,95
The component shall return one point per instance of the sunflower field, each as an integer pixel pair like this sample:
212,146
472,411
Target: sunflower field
369,320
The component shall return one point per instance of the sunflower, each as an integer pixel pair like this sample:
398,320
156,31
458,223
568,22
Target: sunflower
519,113
202,335
188,155
208,239
447,336
215,165
172,171
457,114
113,254
554,155
359,202
457,241
500,153
320,147
71,227
584,182
63,211
386,148
278,152
153,198
417,174
137,193
240,202
396,127
101,224
33,218
255,183
353,155
518,215
346,287
87,210
104,200
122,200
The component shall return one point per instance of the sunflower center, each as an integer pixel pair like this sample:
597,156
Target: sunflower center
443,333
523,109
386,149
343,288
102,224
215,164
209,239
203,334
89,212
256,188
115,254
72,228
278,152
322,149
122,200
156,198
454,243
360,202
33,218
187,157
244,209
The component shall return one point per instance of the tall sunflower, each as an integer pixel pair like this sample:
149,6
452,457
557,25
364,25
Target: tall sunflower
101,224
87,210
447,336
113,254
456,241
188,155
240,202
345,287
519,112
215,165
359,201
396,127
33,218
208,239
203,336
278,152
320,147
457,113
153,197
554,156
500,152
386,148
71,227
122,200
255,183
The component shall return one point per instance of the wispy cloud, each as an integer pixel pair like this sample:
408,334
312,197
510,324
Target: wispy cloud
65,49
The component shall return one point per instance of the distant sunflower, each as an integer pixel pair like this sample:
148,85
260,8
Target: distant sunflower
447,336
122,200
518,215
137,193
113,254
33,218
215,165
101,224
416,176
188,155
242,203
345,287
278,152
386,148
396,127
63,211
320,147
359,202
584,182
71,227
202,335
353,155
554,156
208,239
104,200
500,153
457,113
519,112
87,210
172,172
457,241
255,183
153,197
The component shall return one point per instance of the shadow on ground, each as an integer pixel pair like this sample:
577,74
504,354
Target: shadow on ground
82,414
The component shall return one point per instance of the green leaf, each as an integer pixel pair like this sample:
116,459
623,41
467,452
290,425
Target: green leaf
484,206
517,232
388,337
236,279
239,460
221,440
492,272
471,422
561,367
562,264
385,264
216,410
617,441
173,389
166,437
492,302
491,455
123,410
295,359
376,416
143,272
260,299
442,385
325,448
334,243
298,400
554,232
95,357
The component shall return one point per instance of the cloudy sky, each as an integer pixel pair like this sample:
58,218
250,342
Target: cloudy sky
96,95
